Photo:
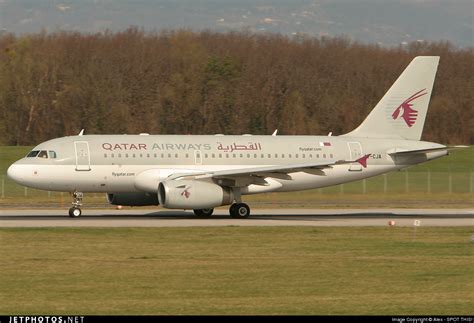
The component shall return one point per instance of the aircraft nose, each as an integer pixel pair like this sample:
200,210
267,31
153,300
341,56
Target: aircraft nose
14,173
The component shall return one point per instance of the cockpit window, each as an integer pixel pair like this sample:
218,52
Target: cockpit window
33,153
42,154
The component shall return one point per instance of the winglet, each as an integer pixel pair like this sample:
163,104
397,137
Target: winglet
363,160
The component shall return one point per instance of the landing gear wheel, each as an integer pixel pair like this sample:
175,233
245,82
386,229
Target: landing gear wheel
239,211
203,213
75,212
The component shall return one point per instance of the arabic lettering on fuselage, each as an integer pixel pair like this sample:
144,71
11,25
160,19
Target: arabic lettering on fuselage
234,147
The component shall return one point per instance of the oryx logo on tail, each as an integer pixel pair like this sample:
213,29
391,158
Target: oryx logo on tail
406,111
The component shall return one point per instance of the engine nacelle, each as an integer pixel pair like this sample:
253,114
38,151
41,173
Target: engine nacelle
133,198
192,194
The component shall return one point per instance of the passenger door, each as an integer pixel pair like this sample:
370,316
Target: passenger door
83,160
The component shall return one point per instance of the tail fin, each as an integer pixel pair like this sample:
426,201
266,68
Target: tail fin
401,113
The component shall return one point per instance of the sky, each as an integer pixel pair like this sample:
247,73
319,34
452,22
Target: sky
386,22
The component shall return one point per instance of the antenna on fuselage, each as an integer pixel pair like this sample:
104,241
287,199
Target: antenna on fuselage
81,133
275,132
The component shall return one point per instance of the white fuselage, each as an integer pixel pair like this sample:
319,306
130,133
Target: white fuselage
138,163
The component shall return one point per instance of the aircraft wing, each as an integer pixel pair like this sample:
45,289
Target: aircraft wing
256,171
270,171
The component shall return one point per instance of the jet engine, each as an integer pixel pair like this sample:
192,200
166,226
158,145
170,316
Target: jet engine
192,194
132,198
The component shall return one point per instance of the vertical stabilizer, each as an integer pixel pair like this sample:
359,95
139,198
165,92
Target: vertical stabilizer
401,113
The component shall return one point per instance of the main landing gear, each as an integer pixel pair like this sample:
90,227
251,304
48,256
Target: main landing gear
236,211
239,211
203,213
75,211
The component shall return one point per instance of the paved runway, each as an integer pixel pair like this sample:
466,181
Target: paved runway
260,217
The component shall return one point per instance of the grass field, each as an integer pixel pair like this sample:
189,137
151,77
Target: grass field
446,182
236,270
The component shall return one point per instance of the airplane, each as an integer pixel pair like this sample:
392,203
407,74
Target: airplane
201,172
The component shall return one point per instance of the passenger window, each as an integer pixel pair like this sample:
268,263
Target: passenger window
43,154
52,154
33,153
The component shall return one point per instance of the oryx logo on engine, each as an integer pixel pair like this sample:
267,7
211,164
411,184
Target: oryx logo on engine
186,193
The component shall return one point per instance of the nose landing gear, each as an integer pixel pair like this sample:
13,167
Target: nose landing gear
75,211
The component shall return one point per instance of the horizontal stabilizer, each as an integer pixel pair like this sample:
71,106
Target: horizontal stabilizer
405,152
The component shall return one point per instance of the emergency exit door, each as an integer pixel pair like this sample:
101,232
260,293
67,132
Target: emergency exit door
356,152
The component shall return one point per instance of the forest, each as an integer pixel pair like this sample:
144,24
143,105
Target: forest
185,82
